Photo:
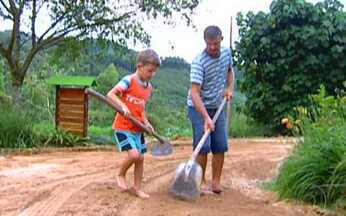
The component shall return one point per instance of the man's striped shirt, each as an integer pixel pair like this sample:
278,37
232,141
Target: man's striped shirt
211,74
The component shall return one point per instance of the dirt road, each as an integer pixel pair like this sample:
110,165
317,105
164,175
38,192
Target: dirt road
83,183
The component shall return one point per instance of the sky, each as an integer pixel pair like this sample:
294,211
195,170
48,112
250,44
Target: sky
186,42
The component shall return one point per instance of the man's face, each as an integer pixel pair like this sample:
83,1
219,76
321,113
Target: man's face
213,46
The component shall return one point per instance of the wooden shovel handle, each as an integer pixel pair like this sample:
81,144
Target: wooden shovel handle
207,132
108,101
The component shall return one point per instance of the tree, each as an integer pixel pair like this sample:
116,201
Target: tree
115,20
107,79
288,53
2,81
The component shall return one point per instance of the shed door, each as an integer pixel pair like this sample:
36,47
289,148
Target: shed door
71,113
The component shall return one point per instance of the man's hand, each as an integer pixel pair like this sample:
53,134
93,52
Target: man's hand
208,124
228,94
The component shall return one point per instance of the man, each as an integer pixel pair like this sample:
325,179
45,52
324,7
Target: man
212,79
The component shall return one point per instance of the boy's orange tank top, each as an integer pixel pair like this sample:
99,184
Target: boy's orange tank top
135,98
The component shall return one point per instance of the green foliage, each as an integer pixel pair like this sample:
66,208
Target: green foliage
316,171
49,136
99,131
120,22
101,135
39,97
287,53
17,133
107,79
2,77
15,130
170,122
242,126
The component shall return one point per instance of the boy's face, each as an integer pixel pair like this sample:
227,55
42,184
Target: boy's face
147,71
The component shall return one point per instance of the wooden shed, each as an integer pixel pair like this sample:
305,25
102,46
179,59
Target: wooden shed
71,112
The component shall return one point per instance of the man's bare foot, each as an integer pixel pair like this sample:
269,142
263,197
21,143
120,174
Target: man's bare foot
121,182
205,189
216,188
141,194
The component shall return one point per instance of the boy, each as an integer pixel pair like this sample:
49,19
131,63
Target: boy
132,93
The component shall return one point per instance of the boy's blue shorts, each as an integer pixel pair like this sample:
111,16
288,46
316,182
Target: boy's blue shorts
217,140
128,140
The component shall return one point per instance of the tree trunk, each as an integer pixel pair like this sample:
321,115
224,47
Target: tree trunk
16,88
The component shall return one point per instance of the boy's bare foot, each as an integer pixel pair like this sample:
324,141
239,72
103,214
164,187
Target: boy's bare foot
121,182
141,194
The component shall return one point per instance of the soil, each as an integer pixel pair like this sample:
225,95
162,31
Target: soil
69,182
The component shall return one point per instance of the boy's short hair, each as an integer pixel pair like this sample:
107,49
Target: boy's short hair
149,56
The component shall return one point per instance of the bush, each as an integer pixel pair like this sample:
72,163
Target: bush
15,130
47,135
316,171
244,126
101,135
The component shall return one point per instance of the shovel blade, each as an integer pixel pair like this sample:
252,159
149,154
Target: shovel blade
187,185
162,149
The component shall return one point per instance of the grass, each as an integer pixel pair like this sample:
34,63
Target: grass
18,131
242,126
15,130
48,135
316,171
101,135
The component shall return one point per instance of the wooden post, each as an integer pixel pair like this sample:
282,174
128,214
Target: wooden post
57,99
86,110
229,103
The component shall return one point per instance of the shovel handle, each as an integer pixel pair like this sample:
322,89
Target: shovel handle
108,101
207,132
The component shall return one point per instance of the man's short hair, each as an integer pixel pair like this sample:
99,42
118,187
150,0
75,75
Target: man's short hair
212,32
148,56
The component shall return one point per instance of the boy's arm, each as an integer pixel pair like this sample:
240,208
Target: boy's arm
114,93
147,123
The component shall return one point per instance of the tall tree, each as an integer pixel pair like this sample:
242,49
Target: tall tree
287,53
118,20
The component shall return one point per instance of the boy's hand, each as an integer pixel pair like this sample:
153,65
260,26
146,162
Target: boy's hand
150,127
126,111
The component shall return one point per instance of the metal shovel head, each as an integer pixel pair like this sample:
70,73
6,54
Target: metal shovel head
162,149
187,181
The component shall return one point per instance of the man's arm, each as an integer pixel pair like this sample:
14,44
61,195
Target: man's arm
195,92
230,84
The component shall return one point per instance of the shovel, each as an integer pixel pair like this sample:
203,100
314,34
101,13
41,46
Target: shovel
188,177
162,149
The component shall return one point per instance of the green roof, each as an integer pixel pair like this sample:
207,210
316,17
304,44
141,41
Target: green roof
72,80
